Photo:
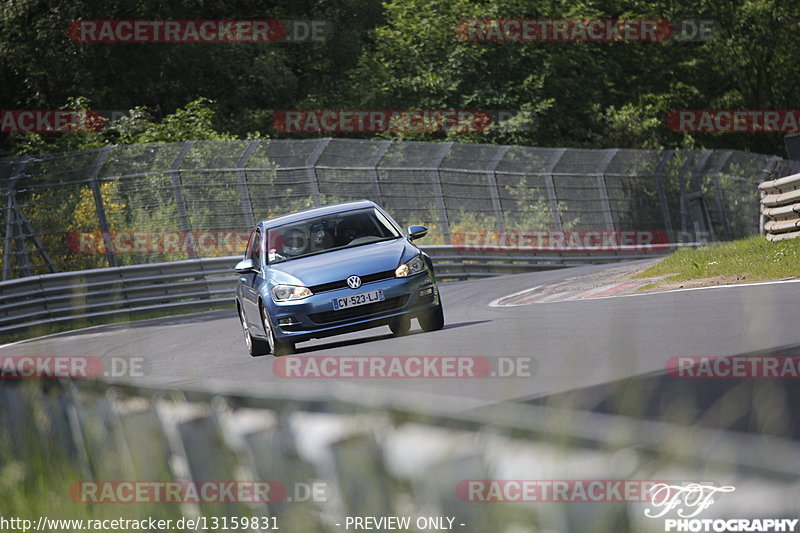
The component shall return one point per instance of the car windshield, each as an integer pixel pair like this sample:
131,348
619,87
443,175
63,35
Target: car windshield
326,233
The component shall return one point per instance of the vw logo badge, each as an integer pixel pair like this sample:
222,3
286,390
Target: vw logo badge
354,282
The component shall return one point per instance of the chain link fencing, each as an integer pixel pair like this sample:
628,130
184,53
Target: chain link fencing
114,205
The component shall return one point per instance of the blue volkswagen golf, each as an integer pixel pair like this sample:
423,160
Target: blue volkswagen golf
332,270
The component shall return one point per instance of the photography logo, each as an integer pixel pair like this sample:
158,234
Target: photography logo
687,502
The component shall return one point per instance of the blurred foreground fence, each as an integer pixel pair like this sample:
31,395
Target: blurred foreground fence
780,203
346,457
53,200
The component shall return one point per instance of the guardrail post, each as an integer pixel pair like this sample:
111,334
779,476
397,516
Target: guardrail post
494,192
683,195
373,170
550,185
602,188
105,229
25,259
719,196
438,193
699,199
18,229
662,196
25,230
311,169
241,178
764,176
11,217
10,233
175,178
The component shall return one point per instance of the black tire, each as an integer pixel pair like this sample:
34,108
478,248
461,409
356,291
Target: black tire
432,320
400,326
275,347
255,347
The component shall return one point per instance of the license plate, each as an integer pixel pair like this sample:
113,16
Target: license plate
355,300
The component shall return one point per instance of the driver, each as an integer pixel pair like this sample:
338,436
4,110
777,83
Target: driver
294,242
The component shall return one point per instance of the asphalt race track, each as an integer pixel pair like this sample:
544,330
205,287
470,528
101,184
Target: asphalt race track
570,345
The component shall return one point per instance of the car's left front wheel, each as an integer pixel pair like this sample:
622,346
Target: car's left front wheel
276,347
433,319
255,347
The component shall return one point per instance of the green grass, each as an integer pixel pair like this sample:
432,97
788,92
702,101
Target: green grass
751,259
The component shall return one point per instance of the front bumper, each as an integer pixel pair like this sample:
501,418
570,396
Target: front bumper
314,317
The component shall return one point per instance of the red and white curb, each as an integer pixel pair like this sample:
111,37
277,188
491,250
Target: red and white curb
552,293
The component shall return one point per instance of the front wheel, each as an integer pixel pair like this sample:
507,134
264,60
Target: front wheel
255,347
400,326
432,320
276,347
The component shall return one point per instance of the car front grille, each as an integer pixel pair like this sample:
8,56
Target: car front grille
386,306
342,283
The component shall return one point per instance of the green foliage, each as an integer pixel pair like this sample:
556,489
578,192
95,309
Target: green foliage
405,54
42,68
585,94
195,121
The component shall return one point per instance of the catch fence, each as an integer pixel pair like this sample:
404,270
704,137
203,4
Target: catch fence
63,211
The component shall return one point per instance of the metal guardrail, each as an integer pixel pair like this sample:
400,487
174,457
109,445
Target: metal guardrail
73,298
452,263
780,204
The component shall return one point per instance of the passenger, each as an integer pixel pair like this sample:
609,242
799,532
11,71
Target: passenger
347,231
323,240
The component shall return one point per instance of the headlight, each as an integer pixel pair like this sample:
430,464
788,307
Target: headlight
282,293
415,266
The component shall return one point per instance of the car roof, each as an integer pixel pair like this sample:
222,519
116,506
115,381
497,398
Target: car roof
315,212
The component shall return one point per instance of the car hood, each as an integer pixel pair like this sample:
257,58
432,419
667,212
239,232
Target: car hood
339,264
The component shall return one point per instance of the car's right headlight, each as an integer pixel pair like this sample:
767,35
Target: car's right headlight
283,293
415,266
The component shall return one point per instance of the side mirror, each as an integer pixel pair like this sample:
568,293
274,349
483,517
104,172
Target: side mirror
245,267
416,232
